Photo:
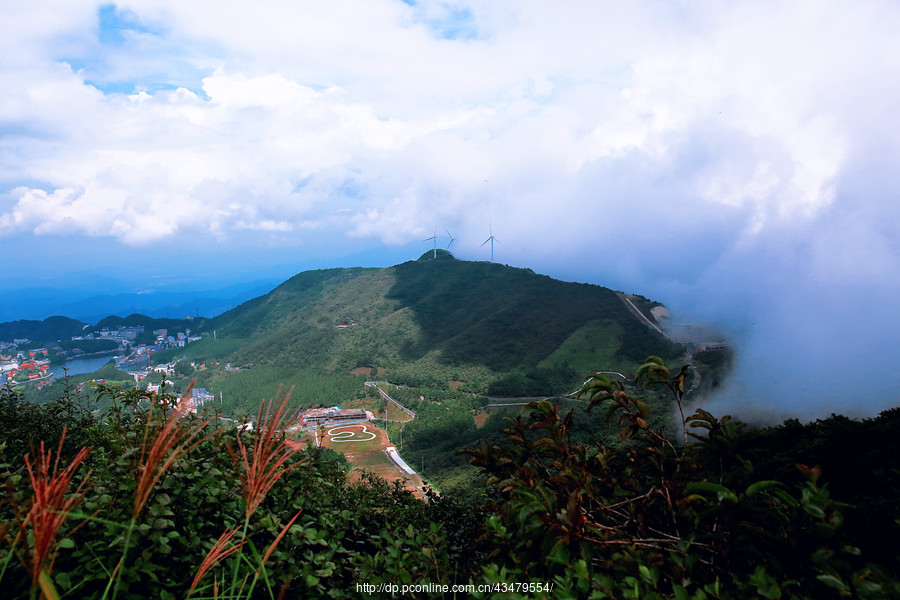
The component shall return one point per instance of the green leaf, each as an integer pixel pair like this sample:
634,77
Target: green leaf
708,487
63,579
814,510
759,486
834,582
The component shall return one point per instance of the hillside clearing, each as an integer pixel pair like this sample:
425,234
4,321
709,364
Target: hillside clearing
364,446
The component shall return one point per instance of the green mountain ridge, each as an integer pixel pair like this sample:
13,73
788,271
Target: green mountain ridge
436,322
433,322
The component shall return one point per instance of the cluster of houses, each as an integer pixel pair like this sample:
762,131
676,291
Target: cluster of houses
177,340
140,354
25,366
121,335
199,396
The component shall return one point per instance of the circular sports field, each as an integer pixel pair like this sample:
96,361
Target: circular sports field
364,446
359,432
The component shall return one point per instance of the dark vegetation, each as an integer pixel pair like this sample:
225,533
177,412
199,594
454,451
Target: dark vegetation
732,514
522,381
506,318
853,455
714,366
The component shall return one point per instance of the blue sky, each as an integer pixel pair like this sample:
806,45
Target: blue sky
734,160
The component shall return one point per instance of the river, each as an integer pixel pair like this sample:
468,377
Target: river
77,366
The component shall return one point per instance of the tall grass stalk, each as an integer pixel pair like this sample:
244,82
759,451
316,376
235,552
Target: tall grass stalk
166,446
262,464
262,467
49,508
222,549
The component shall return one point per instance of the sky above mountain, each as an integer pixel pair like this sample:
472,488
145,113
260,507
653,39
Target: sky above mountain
734,160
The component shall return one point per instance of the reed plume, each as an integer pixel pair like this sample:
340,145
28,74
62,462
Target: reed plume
284,530
222,549
262,464
49,506
169,444
266,463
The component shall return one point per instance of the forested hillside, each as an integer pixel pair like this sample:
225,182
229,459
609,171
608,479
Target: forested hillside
50,329
442,323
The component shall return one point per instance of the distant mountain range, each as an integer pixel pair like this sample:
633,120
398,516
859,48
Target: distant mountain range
88,306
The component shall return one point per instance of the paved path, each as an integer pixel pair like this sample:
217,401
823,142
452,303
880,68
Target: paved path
687,357
384,395
637,312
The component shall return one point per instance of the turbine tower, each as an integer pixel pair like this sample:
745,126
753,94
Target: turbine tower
433,239
491,240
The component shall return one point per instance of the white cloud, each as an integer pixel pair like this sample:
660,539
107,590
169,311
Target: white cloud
657,146
739,100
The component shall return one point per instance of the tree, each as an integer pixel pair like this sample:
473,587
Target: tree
655,372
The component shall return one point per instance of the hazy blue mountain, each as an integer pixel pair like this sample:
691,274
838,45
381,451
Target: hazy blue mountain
86,304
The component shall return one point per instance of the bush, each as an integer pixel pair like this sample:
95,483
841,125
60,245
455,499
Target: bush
152,501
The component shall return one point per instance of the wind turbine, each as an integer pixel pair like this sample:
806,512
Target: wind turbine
451,239
491,240
433,238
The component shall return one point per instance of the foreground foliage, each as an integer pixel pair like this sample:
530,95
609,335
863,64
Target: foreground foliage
152,501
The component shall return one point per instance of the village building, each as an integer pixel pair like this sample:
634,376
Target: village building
199,397
332,416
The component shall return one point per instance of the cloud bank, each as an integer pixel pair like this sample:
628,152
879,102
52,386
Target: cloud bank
734,160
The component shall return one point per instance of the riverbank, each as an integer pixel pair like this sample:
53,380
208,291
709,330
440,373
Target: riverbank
55,362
